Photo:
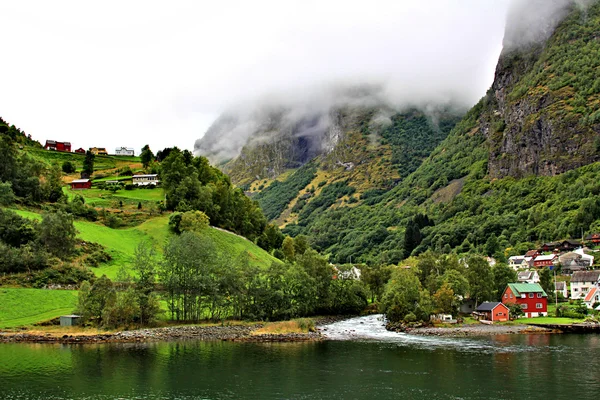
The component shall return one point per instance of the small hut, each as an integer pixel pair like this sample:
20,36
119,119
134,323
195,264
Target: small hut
69,320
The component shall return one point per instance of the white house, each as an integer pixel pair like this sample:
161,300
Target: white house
528,277
582,282
124,151
517,262
145,180
592,297
585,257
561,288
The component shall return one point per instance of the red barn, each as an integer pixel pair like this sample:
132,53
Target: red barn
545,261
531,297
492,311
57,146
80,150
81,184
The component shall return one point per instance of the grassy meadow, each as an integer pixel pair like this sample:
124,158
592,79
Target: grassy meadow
20,307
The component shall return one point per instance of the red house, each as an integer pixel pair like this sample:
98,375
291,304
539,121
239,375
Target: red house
531,297
545,261
81,184
57,146
80,150
594,238
492,311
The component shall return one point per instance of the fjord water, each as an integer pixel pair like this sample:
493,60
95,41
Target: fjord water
375,364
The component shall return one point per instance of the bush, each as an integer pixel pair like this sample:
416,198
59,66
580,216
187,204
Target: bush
68,167
129,186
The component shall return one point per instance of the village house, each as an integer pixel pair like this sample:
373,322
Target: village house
529,256
124,151
565,245
530,296
80,151
491,311
588,259
592,297
57,146
145,180
528,277
582,282
545,260
561,288
98,151
81,184
517,262
594,239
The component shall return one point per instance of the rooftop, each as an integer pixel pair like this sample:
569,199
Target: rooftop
585,276
519,288
488,306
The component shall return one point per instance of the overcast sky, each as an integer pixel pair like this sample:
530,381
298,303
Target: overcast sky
127,73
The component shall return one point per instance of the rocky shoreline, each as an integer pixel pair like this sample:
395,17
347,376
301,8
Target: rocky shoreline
239,333
477,330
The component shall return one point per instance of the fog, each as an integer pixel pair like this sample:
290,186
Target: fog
129,73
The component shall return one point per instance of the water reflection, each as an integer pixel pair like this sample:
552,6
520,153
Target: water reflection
509,366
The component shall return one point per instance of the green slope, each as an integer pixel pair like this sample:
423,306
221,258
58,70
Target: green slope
20,307
121,243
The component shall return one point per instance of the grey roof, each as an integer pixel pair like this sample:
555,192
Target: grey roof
585,276
488,306
71,316
524,275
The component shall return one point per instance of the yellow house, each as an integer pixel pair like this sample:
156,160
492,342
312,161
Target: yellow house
98,151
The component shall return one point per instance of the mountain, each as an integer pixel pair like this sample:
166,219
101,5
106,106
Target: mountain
519,168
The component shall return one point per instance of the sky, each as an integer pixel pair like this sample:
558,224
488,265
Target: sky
130,73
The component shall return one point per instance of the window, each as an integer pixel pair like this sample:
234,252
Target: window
539,295
531,295
511,295
506,296
524,306
539,305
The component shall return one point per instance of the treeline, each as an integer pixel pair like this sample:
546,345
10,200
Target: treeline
437,283
191,183
198,283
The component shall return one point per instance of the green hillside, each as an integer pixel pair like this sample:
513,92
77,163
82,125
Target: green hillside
121,243
28,306
518,170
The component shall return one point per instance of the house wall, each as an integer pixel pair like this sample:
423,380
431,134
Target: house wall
500,313
580,289
528,304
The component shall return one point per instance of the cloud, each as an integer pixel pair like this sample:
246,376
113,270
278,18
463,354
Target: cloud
130,73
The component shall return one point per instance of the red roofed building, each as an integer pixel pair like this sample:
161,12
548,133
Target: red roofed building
81,184
592,297
530,296
57,146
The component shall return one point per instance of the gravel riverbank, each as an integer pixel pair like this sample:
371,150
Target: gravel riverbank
477,330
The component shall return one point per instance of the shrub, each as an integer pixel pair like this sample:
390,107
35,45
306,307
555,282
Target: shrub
68,167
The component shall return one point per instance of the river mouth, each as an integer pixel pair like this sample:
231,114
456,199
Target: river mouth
371,328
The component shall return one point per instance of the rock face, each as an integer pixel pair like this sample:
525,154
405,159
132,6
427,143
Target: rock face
542,115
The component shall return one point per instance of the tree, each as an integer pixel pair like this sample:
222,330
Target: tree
503,275
93,299
412,237
57,233
53,184
481,279
445,301
146,156
546,281
288,248
491,245
7,197
193,221
145,265
272,238
375,278
88,163
68,167
401,295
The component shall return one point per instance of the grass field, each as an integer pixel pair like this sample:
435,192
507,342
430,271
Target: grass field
121,243
20,307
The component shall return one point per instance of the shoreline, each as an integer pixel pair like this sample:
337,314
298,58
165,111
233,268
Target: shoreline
480,330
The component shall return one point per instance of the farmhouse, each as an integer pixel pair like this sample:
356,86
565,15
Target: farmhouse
582,282
81,184
80,150
594,238
565,245
491,311
528,277
98,151
530,296
516,262
545,261
145,180
124,151
57,146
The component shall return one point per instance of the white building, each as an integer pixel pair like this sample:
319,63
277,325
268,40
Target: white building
124,151
528,277
592,297
582,282
561,288
517,262
145,180
585,257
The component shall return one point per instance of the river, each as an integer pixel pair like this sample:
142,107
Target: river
361,361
